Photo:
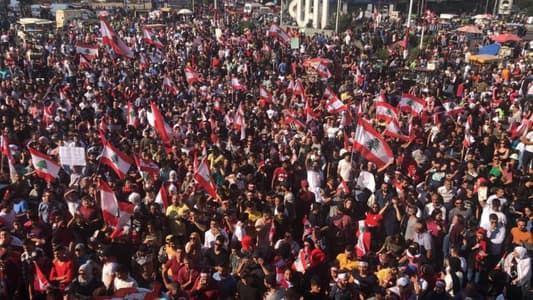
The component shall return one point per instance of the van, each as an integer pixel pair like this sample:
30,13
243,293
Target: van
28,28
64,16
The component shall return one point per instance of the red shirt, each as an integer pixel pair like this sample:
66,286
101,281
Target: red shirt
60,269
373,219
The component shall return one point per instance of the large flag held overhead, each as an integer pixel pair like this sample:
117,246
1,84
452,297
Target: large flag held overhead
334,104
170,85
452,108
192,75
236,84
45,167
412,104
109,204
371,144
87,51
155,118
162,197
386,112
111,38
393,130
150,38
265,94
114,158
203,177
298,87
146,165
323,71
279,34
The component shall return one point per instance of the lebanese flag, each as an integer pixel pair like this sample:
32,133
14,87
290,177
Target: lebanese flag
6,151
452,108
272,232
519,130
203,177
323,71
111,38
292,118
393,130
334,104
279,33
381,98
150,38
125,210
412,104
192,76
45,167
89,52
363,239
240,121
143,62
169,85
84,62
155,118
146,165
132,294
265,94
40,282
298,88
371,144
162,197
386,112
109,204
236,84
114,158
303,261
131,115
469,140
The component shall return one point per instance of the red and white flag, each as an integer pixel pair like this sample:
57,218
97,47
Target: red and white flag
412,104
114,158
393,130
265,94
272,232
131,115
162,197
363,239
6,151
192,76
323,71
279,34
84,63
150,38
111,38
170,85
87,51
298,88
40,282
109,204
203,177
452,108
292,118
334,104
45,167
468,140
236,84
371,144
155,119
146,165
386,112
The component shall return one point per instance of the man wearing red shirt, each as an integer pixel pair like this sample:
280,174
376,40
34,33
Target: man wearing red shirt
63,268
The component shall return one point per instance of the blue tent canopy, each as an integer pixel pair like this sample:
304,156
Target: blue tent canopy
491,49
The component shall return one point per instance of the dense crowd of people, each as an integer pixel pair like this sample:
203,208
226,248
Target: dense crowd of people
290,207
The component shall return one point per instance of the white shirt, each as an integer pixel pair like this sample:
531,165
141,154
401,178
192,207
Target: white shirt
122,284
209,238
108,272
345,170
529,136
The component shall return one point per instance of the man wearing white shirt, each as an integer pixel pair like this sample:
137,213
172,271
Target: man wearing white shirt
488,211
496,235
498,195
211,235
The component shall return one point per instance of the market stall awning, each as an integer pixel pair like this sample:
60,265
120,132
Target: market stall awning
505,37
469,29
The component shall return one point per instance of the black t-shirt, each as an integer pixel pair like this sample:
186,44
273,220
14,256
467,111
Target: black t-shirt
247,291
368,285
215,259
77,289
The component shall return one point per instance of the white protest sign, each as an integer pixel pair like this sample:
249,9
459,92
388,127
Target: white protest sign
72,156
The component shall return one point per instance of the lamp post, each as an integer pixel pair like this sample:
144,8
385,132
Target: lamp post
337,16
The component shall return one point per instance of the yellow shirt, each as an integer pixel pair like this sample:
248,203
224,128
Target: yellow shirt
346,263
177,227
253,215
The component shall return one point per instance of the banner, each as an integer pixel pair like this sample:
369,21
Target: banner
72,156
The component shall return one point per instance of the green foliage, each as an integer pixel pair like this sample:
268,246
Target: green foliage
345,22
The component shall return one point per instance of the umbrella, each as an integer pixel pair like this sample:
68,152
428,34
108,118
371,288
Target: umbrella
505,37
316,61
469,29
184,11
